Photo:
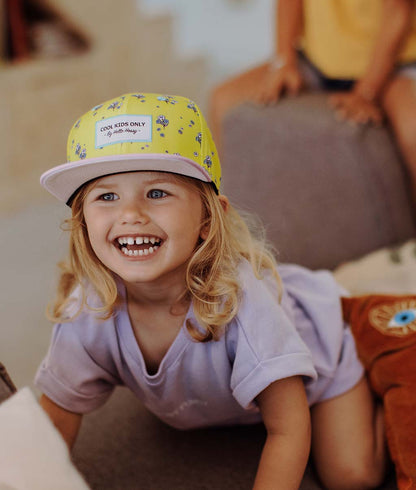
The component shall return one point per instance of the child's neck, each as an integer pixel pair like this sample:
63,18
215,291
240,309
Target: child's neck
162,296
156,317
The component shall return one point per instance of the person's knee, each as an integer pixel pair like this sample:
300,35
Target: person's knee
235,91
222,96
220,101
217,95
405,133
400,114
352,476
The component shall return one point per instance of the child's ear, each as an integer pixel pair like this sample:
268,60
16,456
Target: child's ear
204,232
225,203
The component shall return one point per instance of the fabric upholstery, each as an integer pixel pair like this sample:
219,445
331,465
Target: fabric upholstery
328,191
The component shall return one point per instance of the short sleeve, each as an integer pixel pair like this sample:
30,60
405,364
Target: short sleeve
266,346
74,375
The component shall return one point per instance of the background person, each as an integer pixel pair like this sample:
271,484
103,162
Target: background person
364,50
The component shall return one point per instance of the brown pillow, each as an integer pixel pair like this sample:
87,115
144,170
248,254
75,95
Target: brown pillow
384,328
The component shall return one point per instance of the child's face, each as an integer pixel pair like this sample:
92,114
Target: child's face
144,226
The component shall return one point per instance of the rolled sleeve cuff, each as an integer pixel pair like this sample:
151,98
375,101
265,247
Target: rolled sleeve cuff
266,372
66,397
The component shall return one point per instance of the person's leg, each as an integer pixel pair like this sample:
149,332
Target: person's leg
399,104
231,93
348,443
244,87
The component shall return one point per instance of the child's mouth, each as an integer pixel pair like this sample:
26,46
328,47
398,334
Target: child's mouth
138,246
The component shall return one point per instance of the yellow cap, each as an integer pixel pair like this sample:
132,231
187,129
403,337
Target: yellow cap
134,132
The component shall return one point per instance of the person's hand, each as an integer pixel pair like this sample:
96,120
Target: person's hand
277,82
352,106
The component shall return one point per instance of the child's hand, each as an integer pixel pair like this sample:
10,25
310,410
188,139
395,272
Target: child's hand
277,82
355,108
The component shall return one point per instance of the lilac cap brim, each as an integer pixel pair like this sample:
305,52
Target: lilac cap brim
62,181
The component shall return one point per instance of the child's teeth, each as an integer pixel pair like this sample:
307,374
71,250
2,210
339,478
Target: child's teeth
138,241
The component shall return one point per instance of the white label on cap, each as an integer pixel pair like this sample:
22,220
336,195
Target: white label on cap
123,129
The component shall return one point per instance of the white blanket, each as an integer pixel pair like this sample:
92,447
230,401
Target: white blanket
390,270
33,455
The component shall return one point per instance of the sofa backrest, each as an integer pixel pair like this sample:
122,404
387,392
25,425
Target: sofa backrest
327,191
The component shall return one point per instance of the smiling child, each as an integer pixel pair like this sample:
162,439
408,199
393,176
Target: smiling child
168,292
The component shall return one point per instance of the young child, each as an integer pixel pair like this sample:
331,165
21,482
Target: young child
365,50
167,292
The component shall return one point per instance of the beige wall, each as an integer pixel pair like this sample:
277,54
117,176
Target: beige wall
40,99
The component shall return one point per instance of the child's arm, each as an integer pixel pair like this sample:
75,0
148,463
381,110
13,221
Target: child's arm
285,412
68,423
362,103
283,73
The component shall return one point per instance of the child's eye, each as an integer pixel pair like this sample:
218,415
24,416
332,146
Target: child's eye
156,194
109,196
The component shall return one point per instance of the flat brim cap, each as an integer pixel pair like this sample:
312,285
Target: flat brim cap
136,132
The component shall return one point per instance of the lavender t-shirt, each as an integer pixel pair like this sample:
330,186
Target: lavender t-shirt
214,383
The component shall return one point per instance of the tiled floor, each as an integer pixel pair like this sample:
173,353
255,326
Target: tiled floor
31,243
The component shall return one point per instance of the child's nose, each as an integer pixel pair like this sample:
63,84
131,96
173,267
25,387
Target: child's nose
133,212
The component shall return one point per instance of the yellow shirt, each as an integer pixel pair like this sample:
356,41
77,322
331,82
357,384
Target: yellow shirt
339,35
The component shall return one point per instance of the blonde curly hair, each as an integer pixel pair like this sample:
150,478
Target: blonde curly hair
212,282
